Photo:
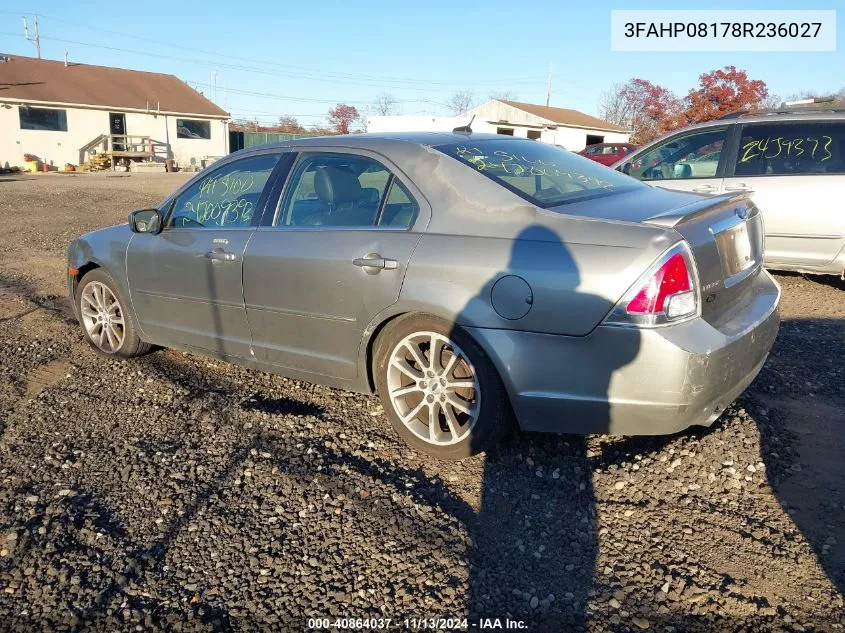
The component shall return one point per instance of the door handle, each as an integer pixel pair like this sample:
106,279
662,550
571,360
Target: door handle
374,262
221,256
705,189
740,186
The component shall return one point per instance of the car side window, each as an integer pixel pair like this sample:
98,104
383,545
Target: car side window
783,149
334,190
224,199
694,155
400,209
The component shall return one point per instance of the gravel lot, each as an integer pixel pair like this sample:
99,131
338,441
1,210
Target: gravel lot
180,493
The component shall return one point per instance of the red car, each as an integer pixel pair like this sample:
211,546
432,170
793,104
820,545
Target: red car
607,153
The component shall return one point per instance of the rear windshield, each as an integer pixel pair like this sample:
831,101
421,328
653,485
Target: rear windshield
543,174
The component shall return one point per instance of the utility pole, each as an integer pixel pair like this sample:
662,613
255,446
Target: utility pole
35,39
214,82
549,86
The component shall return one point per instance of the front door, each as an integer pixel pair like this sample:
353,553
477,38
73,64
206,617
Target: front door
333,258
689,161
186,282
117,127
796,171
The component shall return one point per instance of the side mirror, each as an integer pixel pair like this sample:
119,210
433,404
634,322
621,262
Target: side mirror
145,221
626,168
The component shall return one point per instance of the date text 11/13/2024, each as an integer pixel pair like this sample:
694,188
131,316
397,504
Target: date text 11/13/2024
417,624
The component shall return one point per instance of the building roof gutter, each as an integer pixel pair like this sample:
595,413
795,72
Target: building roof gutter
88,106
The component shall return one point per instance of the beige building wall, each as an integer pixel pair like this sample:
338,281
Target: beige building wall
85,124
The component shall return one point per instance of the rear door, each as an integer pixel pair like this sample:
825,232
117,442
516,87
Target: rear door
186,282
796,173
330,258
688,161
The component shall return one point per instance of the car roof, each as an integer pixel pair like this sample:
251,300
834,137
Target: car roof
764,116
376,140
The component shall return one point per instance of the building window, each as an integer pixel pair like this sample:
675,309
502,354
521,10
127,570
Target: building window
43,119
593,139
534,135
507,131
189,128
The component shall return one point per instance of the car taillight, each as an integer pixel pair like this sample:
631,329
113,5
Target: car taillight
666,293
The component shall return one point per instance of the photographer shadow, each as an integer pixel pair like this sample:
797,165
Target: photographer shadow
535,537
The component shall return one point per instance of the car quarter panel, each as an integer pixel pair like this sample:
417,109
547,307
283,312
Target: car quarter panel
538,282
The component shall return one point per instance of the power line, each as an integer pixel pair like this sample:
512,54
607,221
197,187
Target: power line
326,75
246,69
267,95
270,95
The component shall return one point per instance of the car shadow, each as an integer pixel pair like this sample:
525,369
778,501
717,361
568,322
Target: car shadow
144,561
27,291
535,538
801,393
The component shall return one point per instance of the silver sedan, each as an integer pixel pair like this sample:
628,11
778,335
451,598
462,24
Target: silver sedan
470,280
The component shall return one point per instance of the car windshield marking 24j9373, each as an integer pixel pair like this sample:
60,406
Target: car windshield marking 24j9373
544,175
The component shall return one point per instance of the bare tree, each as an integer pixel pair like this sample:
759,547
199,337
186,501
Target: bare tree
504,95
772,102
385,104
290,125
461,101
615,106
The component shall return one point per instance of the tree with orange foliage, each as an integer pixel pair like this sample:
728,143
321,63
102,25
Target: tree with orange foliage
721,92
341,117
642,106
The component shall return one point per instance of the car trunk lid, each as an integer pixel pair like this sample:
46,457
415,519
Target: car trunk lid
725,234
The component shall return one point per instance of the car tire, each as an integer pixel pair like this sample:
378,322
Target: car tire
428,398
106,323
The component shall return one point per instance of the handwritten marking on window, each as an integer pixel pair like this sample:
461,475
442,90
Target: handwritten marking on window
520,165
219,200
228,184
222,212
818,148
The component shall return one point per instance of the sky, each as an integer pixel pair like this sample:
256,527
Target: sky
276,58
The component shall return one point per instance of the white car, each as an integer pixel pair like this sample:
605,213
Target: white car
792,163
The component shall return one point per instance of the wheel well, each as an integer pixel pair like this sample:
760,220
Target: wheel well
371,344
83,270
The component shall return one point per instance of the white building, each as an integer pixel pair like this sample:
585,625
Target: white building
571,129
55,110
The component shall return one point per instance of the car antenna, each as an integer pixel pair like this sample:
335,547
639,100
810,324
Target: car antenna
465,129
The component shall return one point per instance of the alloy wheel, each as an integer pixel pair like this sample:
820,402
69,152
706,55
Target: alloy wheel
102,317
433,388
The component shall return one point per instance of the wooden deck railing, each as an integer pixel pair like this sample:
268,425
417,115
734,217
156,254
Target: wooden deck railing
125,146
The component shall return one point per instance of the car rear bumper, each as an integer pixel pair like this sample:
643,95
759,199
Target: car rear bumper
630,381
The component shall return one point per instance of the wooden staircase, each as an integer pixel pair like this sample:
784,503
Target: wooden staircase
104,151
